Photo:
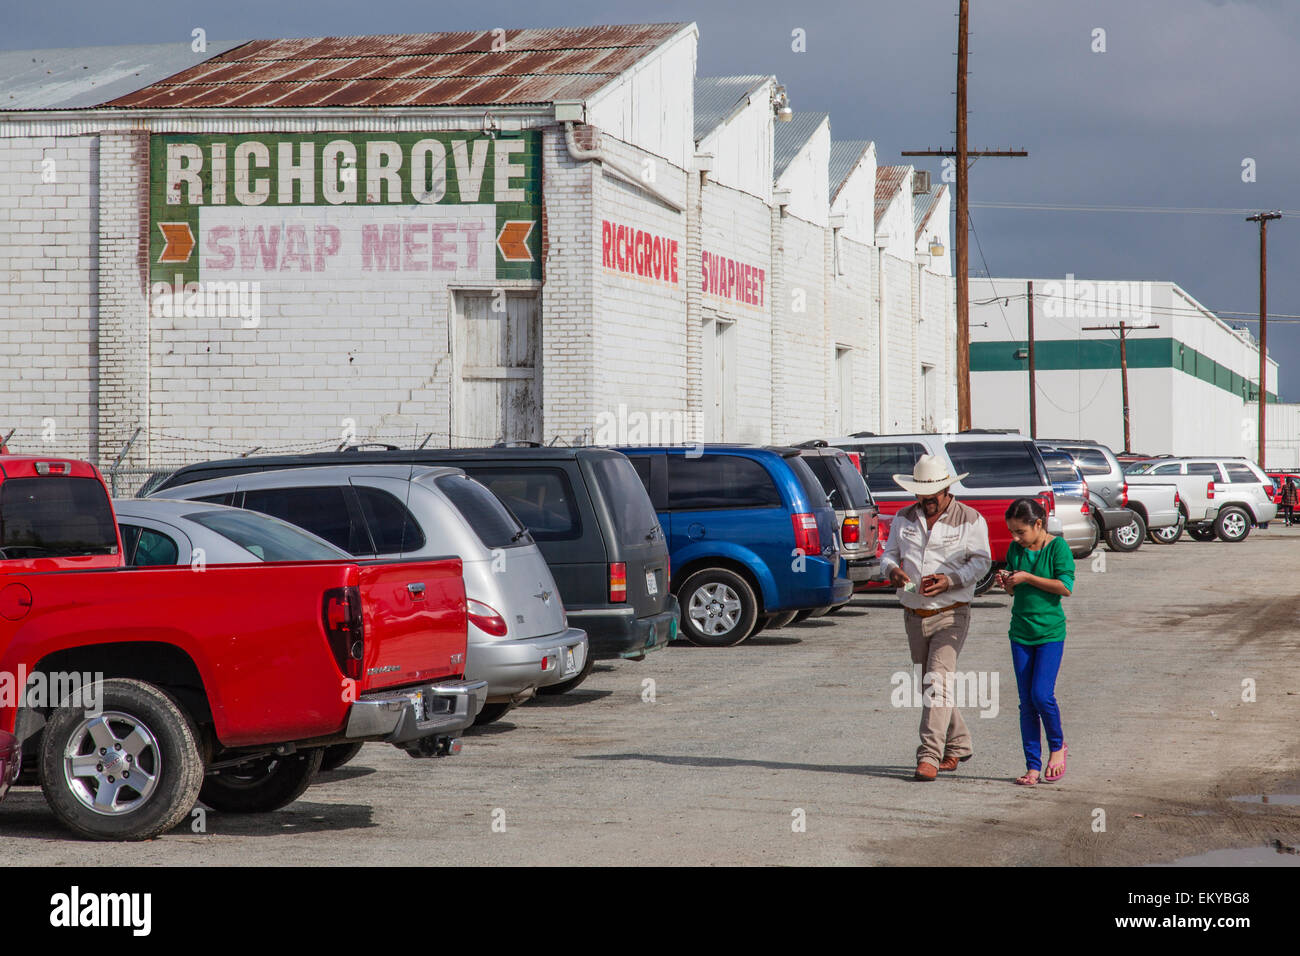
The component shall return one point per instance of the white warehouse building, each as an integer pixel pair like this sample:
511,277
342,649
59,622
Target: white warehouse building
1192,377
450,238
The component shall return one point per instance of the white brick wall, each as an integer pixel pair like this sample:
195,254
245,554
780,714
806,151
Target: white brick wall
799,407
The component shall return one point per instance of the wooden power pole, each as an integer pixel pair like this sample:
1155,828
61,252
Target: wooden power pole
961,225
1123,331
1263,218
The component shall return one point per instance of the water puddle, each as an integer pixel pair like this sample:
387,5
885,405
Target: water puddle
1274,853
1272,799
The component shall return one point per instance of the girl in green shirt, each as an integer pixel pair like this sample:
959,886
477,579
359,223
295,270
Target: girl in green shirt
1039,572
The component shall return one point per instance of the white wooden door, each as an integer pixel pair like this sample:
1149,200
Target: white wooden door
498,390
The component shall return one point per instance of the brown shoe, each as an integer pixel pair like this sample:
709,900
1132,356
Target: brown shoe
925,771
950,763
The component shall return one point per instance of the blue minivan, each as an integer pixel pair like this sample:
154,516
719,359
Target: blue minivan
750,532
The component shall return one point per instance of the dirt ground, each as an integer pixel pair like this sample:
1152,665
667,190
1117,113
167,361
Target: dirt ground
788,750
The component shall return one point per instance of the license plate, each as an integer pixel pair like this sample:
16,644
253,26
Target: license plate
570,665
651,585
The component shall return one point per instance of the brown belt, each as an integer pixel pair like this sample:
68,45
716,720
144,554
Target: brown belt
931,612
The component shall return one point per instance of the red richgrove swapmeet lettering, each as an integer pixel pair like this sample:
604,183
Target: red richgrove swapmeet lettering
638,252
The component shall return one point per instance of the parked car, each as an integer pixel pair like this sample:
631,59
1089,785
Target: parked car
1222,497
1124,519
751,534
1073,507
223,686
586,510
519,637
1002,467
855,512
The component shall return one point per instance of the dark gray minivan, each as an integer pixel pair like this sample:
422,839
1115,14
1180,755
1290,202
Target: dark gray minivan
586,509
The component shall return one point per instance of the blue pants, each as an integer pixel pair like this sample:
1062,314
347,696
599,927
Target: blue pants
1036,669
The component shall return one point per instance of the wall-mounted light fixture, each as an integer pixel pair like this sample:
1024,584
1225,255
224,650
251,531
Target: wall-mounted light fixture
781,104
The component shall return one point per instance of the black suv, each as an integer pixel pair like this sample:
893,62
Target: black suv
585,507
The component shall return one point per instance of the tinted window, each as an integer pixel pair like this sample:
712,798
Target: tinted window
495,526
264,537
154,549
1240,473
392,527
627,498
541,498
850,479
1203,468
720,481
642,465
820,467
323,511
995,464
812,488
55,517
1090,460
881,462
1060,468
1137,468
1172,468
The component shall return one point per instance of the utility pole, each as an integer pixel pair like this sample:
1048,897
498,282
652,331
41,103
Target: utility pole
962,216
1123,331
1263,218
1033,387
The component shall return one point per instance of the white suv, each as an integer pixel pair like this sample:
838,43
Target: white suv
1223,497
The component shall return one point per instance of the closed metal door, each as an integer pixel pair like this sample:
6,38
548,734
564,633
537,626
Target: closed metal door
497,391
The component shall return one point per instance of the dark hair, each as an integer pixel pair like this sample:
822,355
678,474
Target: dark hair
1027,511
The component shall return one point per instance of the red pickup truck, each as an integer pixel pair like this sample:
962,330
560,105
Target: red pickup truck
141,690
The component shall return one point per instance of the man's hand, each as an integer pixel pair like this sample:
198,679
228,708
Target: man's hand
933,584
898,577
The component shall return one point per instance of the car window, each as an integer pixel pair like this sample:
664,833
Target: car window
495,526
821,468
1203,468
812,488
625,493
642,465
264,538
1240,474
881,462
541,498
55,517
322,510
850,479
720,481
1090,460
392,527
1060,468
995,464
1171,468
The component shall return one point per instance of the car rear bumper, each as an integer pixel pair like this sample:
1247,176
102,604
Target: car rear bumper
515,669
1112,518
864,569
614,632
412,713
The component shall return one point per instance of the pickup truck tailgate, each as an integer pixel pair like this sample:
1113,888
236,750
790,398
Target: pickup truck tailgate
414,621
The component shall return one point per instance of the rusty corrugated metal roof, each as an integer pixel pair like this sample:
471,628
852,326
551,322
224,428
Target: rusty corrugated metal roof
889,180
478,68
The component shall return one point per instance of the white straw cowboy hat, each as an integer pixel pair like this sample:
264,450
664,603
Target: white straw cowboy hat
929,477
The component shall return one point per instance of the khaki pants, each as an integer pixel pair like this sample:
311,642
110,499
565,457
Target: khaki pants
935,642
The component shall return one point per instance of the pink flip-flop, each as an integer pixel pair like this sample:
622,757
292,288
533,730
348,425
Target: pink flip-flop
1024,781
1065,753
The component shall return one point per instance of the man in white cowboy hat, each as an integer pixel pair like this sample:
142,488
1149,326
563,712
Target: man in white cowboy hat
937,550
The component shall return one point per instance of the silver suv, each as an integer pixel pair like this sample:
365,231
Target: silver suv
1225,497
519,638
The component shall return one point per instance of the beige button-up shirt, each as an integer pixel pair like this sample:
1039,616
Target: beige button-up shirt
957,545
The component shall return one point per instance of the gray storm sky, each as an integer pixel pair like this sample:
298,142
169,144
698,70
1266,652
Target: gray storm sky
1184,92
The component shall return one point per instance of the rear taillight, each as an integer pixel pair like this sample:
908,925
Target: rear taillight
1123,495
618,582
851,530
806,536
341,617
1178,499
485,617
1048,500
1209,489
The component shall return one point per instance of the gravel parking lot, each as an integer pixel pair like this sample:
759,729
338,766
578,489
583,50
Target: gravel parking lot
712,762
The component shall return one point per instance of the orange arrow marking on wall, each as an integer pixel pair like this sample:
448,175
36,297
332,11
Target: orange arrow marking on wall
179,242
513,240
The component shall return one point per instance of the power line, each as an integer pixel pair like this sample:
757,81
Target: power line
1156,309
1111,207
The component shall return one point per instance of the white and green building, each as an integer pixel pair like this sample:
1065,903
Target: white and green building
1193,378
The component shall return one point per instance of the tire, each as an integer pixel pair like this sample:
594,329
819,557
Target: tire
801,616
564,686
263,784
718,608
1232,524
1167,535
338,755
493,712
781,619
145,728
985,583
1201,534
1129,537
